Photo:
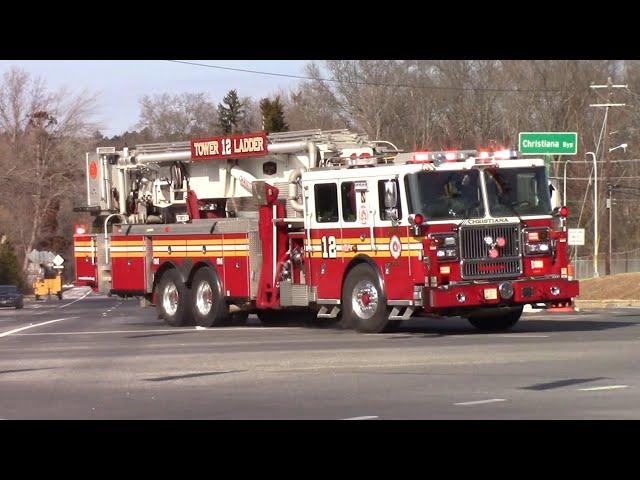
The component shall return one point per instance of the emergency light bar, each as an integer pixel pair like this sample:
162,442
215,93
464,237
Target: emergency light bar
440,156
502,154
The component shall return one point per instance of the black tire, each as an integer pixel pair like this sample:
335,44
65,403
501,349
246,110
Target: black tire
59,295
496,320
37,297
207,303
19,306
179,315
377,321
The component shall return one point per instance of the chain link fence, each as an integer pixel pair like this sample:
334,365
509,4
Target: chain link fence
621,262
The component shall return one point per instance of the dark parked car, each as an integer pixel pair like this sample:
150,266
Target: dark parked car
10,296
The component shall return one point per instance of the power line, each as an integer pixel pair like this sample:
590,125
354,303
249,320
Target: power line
599,161
590,179
356,82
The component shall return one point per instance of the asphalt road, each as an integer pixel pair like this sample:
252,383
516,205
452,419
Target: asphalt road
107,358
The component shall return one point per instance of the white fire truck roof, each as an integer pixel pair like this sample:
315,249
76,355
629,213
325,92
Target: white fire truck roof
410,166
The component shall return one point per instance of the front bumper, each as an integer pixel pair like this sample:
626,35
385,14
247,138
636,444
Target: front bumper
10,303
548,291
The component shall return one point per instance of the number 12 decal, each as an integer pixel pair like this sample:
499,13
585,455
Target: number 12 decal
226,146
329,247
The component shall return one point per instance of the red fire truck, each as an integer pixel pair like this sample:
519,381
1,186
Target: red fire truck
324,225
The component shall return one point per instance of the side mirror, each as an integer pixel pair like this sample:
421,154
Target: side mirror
390,194
391,200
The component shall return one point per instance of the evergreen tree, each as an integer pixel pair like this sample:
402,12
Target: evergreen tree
231,112
273,115
9,269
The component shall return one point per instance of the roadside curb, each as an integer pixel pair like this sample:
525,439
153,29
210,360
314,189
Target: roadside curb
604,304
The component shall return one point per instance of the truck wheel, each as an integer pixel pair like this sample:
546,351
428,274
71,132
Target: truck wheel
172,299
59,295
37,297
209,308
496,320
364,305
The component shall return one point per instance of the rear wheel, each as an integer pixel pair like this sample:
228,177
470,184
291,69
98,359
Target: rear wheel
496,320
209,308
364,305
172,299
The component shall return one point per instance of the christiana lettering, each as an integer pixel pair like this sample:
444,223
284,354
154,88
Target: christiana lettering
487,221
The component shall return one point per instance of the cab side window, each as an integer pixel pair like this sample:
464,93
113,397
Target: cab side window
348,193
381,208
326,198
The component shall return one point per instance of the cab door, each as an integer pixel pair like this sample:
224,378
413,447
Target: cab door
324,234
355,219
395,244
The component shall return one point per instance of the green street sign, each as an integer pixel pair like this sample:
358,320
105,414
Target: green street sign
548,143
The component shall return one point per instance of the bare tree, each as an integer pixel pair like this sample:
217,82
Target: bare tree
43,134
175,117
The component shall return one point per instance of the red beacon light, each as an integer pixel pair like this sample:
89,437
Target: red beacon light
564,212
416,219
502,154
420,157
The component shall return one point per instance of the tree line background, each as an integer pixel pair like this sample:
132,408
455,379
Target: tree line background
415,104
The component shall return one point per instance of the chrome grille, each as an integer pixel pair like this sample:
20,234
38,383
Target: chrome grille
474,252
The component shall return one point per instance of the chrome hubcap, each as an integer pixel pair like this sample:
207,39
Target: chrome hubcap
204,298
170,299
364,299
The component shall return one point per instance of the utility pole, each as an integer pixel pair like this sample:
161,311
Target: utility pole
607,165
610,207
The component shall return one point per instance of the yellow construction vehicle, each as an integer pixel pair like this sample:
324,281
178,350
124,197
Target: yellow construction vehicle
50,284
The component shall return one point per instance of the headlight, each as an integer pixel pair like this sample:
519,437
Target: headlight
537,248
446,253
445,245
536,241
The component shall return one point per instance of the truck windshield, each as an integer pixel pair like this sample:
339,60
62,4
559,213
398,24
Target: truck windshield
8,289
444,195
523,191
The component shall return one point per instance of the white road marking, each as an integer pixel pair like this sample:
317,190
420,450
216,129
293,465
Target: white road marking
368,417
10,332
212,330
608,387
70,303
479,402
516,335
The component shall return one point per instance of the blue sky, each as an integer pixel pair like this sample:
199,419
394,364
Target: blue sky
120,83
